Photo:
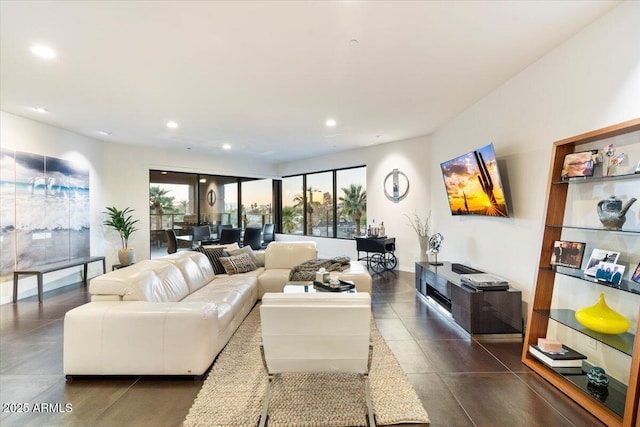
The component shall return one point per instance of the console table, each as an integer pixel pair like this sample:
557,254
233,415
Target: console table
48,268
478,312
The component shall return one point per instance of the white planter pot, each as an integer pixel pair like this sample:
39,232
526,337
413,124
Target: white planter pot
125,256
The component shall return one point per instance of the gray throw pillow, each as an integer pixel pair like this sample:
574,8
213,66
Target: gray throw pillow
247,250
237,264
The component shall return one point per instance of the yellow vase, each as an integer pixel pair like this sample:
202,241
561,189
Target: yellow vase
601,318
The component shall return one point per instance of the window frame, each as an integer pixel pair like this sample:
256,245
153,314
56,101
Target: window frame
334,173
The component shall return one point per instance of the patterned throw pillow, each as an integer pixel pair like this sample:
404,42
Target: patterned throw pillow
247,250
214,255
237,264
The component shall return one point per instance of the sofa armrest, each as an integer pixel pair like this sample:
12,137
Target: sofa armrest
358,274
140,338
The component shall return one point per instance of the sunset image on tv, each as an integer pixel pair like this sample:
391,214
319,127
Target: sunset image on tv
473,184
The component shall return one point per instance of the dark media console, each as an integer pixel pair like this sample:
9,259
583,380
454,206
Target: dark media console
478,312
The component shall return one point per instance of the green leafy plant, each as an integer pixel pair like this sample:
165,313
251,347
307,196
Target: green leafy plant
353,204
122,221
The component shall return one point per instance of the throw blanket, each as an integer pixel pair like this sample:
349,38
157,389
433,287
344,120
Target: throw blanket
307,270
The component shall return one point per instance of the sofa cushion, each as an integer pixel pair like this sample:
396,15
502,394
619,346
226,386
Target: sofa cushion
234,296
258,261
214,254
281,254
147,280
272,280
237,264
194,266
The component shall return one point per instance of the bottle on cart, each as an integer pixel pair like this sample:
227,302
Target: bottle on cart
382,230
369,231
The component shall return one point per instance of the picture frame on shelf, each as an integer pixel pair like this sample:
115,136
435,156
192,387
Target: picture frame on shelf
578,165
610,273
598,256
635,276
567,254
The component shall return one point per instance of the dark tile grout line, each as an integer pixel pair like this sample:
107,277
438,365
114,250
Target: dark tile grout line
437,371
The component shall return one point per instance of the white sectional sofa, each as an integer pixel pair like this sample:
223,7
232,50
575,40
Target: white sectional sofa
172,315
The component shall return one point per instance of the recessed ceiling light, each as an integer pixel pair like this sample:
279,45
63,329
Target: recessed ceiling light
172,125
163,172
226,146
353,42
203,180
40,110
331,123
43,51
104,132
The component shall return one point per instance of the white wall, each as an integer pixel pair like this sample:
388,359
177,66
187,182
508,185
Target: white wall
412,158
589,82
552,99
127,174
119,176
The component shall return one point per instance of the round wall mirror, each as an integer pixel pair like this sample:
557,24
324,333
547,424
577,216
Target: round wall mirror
211,197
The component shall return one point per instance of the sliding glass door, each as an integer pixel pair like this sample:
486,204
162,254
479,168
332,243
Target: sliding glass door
180,201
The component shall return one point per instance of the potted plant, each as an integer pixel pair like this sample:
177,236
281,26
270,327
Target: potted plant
123,223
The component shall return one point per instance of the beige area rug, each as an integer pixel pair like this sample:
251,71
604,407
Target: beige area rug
233,392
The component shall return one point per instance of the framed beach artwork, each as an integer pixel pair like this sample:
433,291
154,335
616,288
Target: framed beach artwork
44,210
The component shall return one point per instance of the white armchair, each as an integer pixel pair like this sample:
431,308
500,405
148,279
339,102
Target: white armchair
316,333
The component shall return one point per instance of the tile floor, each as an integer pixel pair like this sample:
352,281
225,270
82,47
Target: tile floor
462,381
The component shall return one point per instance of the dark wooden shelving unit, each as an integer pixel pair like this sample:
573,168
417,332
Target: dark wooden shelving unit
621,407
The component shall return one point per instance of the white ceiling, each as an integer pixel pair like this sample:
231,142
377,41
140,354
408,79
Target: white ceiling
265,75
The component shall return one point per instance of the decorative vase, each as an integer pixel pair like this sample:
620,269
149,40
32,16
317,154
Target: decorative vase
612,213
600,393
125,256
598,377
424,247
600,318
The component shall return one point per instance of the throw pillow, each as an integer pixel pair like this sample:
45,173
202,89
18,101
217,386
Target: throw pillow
214,254
229,247
247,250
237,264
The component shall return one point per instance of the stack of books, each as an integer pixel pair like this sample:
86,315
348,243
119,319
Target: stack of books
566,358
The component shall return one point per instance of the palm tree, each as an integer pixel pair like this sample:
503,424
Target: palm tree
159,202
299,203
353,204
288,215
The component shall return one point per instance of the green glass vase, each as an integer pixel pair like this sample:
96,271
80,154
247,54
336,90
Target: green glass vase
600,318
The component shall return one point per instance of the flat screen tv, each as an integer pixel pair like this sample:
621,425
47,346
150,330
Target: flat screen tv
473,184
